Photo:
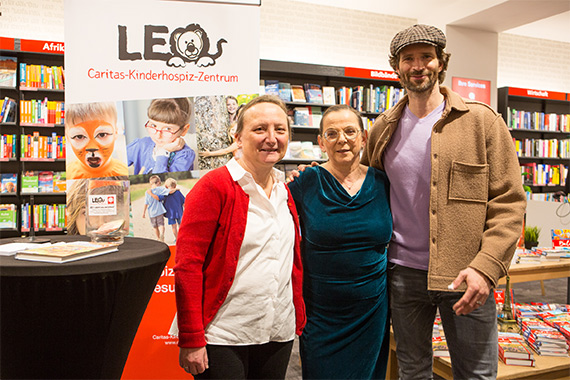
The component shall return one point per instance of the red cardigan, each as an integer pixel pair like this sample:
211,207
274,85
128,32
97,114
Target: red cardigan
207,251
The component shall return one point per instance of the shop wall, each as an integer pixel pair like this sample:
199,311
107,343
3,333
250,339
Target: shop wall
533,63
299,32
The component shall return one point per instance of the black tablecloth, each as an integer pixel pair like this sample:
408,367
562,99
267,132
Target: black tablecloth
78,319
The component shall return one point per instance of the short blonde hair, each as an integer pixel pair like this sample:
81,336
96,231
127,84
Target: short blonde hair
170,183
78,113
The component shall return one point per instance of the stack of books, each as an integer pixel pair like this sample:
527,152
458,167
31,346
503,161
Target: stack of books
514,351
543,338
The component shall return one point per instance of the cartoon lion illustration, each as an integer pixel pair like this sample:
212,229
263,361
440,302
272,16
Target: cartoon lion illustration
191,44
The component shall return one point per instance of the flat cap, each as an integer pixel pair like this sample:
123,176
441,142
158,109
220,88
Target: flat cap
417,34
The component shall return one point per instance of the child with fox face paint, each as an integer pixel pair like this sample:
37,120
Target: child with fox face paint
91,131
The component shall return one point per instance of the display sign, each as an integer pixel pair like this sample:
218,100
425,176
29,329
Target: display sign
473,89
164,49
541,94
370,74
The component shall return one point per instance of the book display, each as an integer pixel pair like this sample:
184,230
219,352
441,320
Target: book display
32,150
309,89
539,122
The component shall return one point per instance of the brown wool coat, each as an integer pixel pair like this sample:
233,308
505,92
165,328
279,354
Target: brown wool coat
477,202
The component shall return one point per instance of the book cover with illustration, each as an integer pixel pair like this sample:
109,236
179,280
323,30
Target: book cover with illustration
9,183
8,68
30,182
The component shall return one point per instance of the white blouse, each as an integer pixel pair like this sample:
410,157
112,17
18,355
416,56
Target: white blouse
259,306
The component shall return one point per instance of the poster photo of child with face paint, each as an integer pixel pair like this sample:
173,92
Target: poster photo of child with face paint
97,144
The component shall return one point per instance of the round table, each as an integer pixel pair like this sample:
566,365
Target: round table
75,320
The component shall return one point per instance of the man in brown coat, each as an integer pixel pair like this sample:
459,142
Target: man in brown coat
458,204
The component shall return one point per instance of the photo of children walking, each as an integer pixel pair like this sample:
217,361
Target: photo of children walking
157,204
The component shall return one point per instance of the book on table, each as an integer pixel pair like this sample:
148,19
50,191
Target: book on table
66,252
519,362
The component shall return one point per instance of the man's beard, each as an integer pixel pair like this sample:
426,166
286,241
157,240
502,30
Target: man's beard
422,87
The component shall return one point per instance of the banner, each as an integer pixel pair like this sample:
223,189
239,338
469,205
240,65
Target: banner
152,92
147,49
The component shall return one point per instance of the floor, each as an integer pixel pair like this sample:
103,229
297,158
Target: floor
555,292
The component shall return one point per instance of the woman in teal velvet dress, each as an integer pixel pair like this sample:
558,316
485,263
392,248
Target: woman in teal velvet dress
346,224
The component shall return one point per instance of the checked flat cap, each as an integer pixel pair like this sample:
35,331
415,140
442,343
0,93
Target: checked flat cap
417,34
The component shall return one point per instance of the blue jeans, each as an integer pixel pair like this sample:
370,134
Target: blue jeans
471,338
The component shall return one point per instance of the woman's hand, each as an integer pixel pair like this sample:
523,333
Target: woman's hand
205,153
193,360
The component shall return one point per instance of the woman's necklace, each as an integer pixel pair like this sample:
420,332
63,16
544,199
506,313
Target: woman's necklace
346,184
356,181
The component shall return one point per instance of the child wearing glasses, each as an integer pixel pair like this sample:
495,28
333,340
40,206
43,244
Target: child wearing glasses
164,149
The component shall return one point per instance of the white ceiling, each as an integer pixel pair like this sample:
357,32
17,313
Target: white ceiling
545,19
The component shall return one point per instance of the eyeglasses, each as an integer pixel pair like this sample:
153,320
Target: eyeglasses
167,131
332,135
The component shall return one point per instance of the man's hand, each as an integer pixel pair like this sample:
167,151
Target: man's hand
193,360
478,289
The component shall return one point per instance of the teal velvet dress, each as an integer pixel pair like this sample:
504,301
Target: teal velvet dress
345,286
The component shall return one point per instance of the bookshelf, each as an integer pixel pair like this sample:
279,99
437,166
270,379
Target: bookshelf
33,148
539,122
357,87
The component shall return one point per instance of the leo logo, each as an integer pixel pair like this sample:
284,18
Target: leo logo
189,44
111,200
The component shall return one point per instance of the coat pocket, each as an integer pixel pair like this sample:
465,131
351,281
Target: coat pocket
469,182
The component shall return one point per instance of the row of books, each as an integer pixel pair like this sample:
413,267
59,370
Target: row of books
547,197
305,93
370,99
552,148
538,121
48,217
544,174
42,76
8,146
42,111
8,216
42,147
34,181
7,110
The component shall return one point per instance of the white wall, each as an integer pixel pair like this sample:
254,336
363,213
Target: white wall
301,32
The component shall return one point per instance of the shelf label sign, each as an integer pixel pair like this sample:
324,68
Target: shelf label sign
164,49
7,43
542,94
473,89
37,46
370,74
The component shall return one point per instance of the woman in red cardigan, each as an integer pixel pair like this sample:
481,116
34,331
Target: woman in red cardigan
238,267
